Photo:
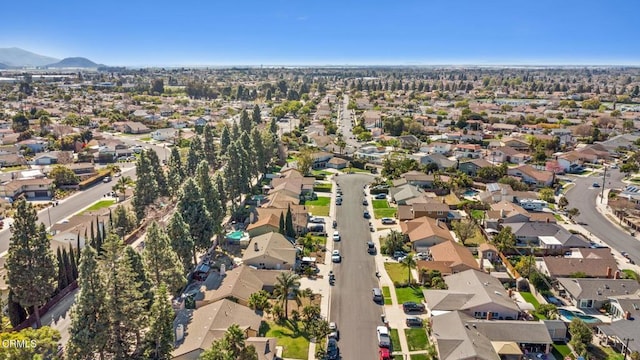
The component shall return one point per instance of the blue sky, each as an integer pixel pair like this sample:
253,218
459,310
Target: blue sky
278,32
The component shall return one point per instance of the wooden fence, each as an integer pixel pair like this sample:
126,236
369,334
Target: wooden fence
46,307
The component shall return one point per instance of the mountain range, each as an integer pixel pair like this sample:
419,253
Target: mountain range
18,58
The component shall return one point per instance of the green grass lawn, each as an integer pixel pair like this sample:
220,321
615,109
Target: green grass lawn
398,357
380,204
395,340
396,271
100,205
561,351
146,138
387,295
558,218
321,172
319,210
416,339
409,294
477,239
382,213
296,346
528,297
419,357
631,274
477,214
605,353
322,187
320,201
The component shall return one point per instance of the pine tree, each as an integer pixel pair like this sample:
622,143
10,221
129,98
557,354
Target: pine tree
223,195
62,272
251,160
211,196
273,127
210,151
256,116
145,192
160,338
259,150
194,212
281,227
141,275
288,224
176,171
181,241
162,263
194,156
245,122
17,314
123,301
89,329
225,140
68,271
31,266
159,175
235,131
73,262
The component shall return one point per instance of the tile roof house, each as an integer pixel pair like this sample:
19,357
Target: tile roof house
530,175
30,188
425,232
270,251
401,194
472,167
593,263
546,235
204,325
434,209
450,256
475,293
266,219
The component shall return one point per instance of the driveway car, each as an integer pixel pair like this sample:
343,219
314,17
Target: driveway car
316,220
414,321
381,196
388,221
335,256
106,179
333,352
336,236
411,306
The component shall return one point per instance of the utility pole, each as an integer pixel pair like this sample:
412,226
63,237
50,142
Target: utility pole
49,213
626,347
604,181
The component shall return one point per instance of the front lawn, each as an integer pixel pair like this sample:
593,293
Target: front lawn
409,294
396,271
419,357
319,210
416,339
322,187
395,340
380,204
295,345
382,213
387,295
100,205
319,207
320,201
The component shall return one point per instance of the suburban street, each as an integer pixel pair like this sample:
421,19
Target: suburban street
345,117
583,197
352,307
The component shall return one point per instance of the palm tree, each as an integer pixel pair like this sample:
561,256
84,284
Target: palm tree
234,336
410,263
394,242
121,185
288,284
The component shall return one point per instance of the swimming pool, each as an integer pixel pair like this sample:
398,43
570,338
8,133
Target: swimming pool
570,315
470,193
237,236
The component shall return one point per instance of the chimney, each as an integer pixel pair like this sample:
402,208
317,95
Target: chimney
627,315
616,275
609,272
438,222
489,315
502,213
547,219
255,246
266,347
510,292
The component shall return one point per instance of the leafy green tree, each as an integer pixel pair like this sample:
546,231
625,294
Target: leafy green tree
225,140
160,338
563,202
260,152
31,266
464,229
259,300
194,212
157,86
181,241
573,212
20,123
393,242
161,262
124,221
44,344
287,285
550,311
410,263
505,239
89,314
305,161
124,301
62,175
547,194
581,335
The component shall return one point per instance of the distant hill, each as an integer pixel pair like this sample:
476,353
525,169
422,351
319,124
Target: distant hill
74,62
18,57
4,66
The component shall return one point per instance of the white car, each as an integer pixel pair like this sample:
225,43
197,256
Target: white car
334,331
335,256
336,236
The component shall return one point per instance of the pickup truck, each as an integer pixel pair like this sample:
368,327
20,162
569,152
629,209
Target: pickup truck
384,341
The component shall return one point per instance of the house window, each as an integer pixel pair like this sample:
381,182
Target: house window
477,314
439,212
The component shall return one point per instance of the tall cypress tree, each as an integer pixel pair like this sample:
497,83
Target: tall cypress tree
245,122
221,193
62,272
31,266
159,338
288,225
281,228
89,331
176,171
225,140
146,189
73,263
194,156
256,116
68,272
181,240
211,196
194,212
210,151
161,262
159,175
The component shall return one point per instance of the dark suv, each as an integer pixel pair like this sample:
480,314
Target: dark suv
411,306
333,352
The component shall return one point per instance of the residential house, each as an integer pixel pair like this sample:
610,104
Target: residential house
594,293
440,160
35,145
546,235
204,325
530,175
425,232
449,258
409,141
623,332
29,188
83,170
467,151
373,154
164,134
497,192
131,127
472,167
516,143
487,251
506,154
505,213
337,163
372,118
591,263
475,293
433,209
270,251
265,347
438,148
53,157
266,219
320,159
460,336
8,160
419,179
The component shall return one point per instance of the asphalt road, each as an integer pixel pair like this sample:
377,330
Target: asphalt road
352,307
583,197
345,118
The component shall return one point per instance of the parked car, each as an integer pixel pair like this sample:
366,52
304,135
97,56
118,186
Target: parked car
336,236
595,185
335,256
377,295
414,321
411,306
371,247
106,179
338,201
384,353
333,352
365,202
366,215
399,254
384,341
381,196
335,224
316,220
388,221
625,254
335,333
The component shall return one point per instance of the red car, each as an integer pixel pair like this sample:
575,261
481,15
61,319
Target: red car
385,354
